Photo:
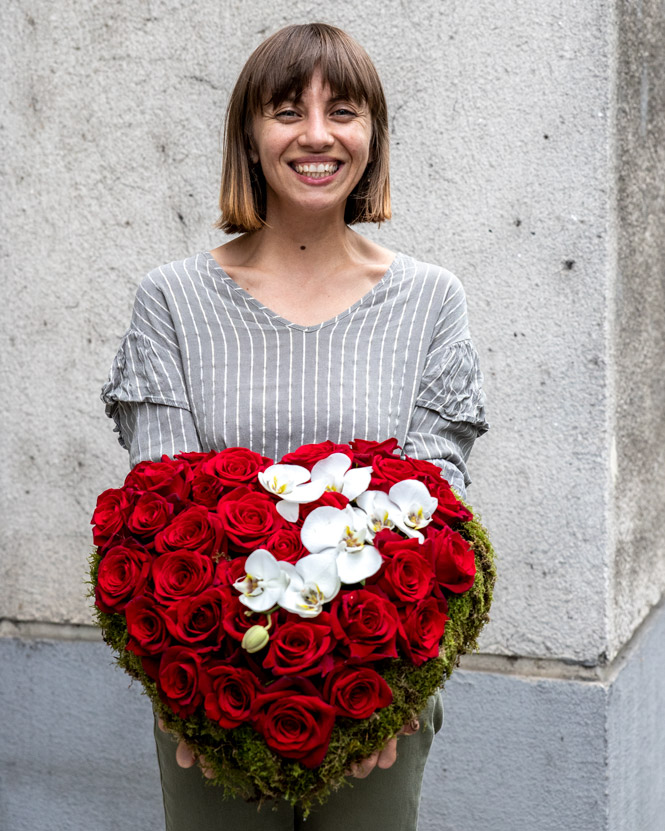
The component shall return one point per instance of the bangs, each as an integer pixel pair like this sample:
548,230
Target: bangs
285,69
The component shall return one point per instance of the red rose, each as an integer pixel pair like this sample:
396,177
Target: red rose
236,466
168,478
388,470
424,625
206,489
151,513
195,529
228,572
301,647
178,680
406,573
236,622
449,511
113,507
195,458
229,693
307,455
364,452
249,519
356,692
427,472
454,560
197,621
146,626
122,574
181,574
366,624
294,720
285,544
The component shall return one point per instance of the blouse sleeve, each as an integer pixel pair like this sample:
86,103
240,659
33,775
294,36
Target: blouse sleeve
146,397
449,412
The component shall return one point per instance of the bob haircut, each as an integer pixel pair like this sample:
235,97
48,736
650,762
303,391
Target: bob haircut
280,69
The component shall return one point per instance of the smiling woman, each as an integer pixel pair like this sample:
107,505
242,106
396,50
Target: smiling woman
297,331
347,95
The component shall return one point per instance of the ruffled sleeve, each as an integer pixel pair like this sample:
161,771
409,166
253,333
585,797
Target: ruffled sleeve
146,397
449,412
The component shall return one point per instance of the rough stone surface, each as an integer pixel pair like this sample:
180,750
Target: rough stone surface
77,752
638,567
504,161
636,735
518,754
515,754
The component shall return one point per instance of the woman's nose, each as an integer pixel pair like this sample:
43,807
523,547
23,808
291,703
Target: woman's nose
316,131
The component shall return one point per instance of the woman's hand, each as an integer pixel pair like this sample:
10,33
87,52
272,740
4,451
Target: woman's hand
185,757
385,758
382,759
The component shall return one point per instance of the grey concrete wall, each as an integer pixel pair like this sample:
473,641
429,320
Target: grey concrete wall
638,317
502,172
523,746
528,157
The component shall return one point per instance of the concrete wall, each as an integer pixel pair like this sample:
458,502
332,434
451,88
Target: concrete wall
528,157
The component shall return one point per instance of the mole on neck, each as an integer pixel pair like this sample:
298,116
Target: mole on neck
302,247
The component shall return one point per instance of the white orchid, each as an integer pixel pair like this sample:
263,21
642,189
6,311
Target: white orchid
290,483
263,583
343,532
379,510
335,475
415,507
313,581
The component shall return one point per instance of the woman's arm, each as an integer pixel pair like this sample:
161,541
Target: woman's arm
449,413
146,392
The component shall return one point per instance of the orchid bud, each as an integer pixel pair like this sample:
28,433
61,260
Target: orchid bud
255,638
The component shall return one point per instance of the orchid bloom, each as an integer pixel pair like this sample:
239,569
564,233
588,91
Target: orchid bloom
290,483
313,581
343,532
379,510
415,507
263,583
335,475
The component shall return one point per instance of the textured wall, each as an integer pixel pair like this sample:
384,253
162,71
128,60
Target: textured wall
500,126
516,753
639,317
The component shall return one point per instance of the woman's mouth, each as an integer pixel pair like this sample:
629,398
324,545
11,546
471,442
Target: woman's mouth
316,170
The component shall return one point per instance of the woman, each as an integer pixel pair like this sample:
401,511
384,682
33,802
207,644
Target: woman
297,331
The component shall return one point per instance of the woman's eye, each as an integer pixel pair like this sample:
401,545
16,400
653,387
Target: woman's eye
344,111
286,114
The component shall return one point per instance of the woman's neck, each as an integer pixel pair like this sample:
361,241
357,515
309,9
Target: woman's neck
311,244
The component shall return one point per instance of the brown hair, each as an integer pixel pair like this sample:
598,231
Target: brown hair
281,67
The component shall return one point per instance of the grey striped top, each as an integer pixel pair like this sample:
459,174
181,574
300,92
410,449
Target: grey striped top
204,365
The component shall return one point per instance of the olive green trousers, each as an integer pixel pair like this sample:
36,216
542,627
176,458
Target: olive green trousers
387,800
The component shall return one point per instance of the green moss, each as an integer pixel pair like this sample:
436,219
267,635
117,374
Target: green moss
243,764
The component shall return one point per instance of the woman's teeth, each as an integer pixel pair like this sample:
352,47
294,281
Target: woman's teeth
316,171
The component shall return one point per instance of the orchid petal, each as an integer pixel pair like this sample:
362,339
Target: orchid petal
288,510
309,492
323,528
322,570
356,481
316,583
354,566
331,468
410,492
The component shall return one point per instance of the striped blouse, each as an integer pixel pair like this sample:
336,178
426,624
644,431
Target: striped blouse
204,365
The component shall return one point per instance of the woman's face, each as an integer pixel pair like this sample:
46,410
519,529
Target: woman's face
312,151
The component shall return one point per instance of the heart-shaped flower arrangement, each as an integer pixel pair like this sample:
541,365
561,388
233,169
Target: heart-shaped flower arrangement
288,619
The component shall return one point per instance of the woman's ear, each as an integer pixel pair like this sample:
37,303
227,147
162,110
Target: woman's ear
253,155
